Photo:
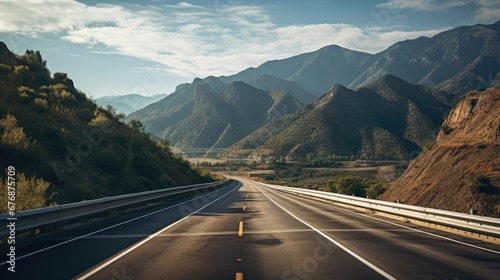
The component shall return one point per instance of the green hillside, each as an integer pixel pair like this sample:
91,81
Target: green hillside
65,148
389,119
210,114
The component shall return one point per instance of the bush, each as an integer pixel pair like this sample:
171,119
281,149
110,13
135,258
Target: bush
5,69
348,185
30,193
376,189
41,102
446,129
480,183
12,134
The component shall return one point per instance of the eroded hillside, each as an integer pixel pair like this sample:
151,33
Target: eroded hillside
462,171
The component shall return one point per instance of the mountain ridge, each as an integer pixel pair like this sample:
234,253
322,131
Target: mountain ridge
198,116
128,103
371,121
442,61
455,61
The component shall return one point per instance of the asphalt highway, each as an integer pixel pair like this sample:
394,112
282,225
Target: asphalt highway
248,231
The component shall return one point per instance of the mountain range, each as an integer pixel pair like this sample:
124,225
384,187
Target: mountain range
129,103
211,114
206,112
463,161
389,118
458,60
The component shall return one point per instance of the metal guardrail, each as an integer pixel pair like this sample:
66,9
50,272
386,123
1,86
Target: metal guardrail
471,223
44,217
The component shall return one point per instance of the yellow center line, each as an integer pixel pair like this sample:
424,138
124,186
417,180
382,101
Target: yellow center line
239,275
244,207
240,231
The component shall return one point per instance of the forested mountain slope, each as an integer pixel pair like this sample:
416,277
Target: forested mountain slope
210,114
389,118
65,148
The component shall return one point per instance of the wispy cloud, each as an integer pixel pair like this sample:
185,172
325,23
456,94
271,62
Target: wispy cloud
423,5
190,40
483,10
488,9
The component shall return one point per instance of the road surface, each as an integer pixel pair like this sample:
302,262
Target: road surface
247,231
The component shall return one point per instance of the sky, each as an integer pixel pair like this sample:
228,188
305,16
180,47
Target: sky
151,46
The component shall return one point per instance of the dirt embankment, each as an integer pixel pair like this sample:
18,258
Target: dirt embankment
462,171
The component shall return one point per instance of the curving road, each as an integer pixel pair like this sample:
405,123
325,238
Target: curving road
247,231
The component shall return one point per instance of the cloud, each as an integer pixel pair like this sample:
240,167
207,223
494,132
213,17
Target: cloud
189,40
185,5
488,10
422,5
348,36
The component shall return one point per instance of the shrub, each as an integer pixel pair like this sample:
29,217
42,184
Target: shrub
446,129
376,189
30,193
348,185
12,134
480,183
99,118
5,69
41,102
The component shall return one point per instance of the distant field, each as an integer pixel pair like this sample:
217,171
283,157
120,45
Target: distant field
309,177
198,160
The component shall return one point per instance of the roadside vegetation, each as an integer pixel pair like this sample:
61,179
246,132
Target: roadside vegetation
359,178
65,148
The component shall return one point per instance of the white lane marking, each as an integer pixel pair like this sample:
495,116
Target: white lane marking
367,263
101,230
135,246
412,229
419,231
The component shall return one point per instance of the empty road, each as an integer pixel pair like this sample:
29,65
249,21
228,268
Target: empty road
247,231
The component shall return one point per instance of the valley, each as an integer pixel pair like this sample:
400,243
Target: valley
314,119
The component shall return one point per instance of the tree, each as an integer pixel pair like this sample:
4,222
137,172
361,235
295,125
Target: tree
60,77
12,134
35,62
25,77
164,146
348,185
136,125
111,110
376,189
30,193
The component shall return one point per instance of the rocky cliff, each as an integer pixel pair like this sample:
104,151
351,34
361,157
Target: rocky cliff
462,171
6,56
